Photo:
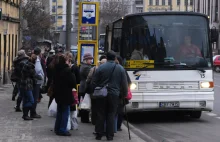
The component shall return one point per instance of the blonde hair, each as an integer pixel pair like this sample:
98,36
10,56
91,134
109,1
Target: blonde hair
68,56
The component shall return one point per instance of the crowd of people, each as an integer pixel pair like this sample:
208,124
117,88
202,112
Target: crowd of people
58,75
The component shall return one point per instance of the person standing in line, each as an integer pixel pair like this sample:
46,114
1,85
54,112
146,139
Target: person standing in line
107,106
89,82
64,81
28,79
122,99
16,74
36,90
84,71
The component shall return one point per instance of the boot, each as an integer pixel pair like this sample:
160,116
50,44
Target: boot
25,114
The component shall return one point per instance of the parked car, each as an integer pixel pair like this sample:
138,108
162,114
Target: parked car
216,62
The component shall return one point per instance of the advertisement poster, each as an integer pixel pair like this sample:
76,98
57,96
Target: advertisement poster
87,48
88,14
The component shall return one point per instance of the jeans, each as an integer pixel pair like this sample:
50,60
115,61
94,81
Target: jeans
19,99
63,112
36,93
27,96
106,111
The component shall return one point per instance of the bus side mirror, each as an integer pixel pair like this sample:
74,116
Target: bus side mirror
214,35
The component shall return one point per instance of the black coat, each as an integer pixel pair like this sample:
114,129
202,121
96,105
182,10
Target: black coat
64,82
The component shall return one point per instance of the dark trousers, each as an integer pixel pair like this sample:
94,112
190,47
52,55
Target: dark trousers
19,99
36,93
120,115
50,101
106,111
93,110
63,112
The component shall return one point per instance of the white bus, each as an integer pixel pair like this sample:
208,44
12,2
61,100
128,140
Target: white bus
168,57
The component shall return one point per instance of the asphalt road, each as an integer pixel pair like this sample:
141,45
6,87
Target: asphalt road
171,127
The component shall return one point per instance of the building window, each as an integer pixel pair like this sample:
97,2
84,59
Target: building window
169,2
157,2
139,9
60,17
186,2
198,9
150,2
216,10
178,2
60,6
54,0
54,9
191,2
163,2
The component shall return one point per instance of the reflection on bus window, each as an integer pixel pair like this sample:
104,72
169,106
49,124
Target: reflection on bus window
166,38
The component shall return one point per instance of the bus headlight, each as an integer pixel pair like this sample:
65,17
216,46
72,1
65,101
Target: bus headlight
207,84
133,86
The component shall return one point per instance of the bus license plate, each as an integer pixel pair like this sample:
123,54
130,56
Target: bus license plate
169,104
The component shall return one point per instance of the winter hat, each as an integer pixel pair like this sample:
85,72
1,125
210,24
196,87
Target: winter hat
87,56
111,56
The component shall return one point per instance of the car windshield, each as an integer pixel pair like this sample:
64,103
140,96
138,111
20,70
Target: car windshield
170,38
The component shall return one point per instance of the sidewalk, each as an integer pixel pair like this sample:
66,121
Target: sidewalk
14,129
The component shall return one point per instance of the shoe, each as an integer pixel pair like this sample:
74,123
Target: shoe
35,116
27,118
109,139
64,134
98,138
13,97
17,109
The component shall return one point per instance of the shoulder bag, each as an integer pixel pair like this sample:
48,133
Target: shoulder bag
102,91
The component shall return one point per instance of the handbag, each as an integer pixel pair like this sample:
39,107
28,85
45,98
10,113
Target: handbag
102,91
129,96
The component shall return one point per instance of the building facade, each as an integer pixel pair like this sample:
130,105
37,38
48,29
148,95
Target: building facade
212,9
9,31
168,5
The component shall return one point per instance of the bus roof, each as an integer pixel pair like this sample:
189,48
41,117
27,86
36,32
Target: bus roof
162,13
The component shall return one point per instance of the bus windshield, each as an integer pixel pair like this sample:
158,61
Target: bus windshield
166,38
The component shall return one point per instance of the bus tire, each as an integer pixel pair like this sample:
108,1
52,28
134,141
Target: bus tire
196,114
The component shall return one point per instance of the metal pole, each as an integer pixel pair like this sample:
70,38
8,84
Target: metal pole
68,23
56,15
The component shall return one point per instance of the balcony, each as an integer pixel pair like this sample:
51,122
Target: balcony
139,3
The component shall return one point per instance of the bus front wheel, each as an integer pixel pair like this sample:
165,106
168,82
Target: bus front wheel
196,114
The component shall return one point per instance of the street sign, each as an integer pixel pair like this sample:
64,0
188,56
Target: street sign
89,13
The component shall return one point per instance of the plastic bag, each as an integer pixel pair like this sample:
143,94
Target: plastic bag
74,121
52,111
69,124
86,102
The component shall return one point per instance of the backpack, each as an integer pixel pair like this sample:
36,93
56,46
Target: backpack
16,71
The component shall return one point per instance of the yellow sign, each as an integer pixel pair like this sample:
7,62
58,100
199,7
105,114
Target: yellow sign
139,64
88,18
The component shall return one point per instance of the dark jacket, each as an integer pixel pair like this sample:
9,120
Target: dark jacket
29,77
84,71
75,70
118,81
64,81
16,68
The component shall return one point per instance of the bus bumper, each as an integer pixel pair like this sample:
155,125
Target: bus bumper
188,101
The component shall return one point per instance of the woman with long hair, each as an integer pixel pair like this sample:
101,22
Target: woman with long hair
63,82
